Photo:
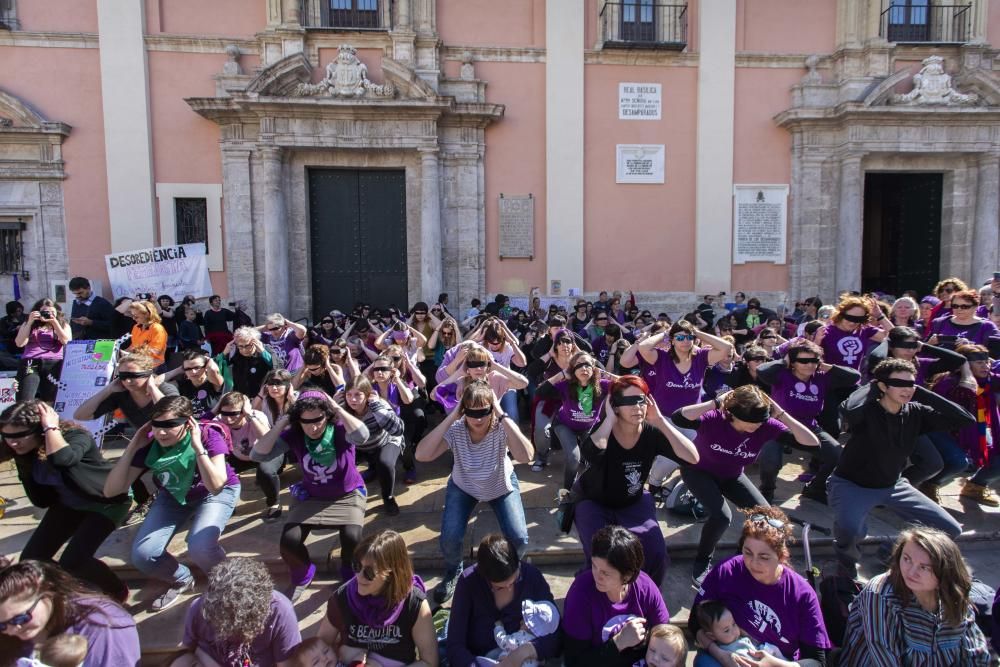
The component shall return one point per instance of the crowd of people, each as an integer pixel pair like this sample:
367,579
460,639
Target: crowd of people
890,398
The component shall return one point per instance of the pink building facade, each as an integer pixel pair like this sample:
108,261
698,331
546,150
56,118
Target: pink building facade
329,151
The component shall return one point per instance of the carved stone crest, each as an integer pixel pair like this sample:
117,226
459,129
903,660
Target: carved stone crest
346,76
932,87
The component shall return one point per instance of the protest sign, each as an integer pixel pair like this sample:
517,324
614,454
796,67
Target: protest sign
87,368
8,391
176,270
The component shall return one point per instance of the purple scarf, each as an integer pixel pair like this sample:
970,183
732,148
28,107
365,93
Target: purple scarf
372,610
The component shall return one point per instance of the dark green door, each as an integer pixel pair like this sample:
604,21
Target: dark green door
357,224
902,237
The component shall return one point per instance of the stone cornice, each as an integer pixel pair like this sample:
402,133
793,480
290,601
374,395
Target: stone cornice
240,108
854,112
90,40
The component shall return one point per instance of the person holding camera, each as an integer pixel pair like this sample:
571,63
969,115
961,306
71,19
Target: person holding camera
43,336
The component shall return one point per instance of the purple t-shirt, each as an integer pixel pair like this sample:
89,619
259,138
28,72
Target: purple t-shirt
801,399
330,482
214,444
670,388
43,344
112,638
846,348
570,413
724,451
588,611
977,332
275,644
284,345
786,613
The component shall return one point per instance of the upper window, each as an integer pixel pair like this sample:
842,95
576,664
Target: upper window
347,14
11,247
921,21
8,15
644,23
191,215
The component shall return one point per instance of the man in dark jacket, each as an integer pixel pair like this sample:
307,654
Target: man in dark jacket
91,315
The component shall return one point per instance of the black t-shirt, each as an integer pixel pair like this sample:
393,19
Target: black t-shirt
614,477
216,322
249,372
203,397
136,416
393,641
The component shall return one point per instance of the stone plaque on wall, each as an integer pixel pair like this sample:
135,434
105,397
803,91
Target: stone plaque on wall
760,215
517,226
639,101
639,163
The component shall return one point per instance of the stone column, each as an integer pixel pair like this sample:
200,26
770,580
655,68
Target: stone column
274,218
290,13
986,233
430,224
237,215
850,227
403,15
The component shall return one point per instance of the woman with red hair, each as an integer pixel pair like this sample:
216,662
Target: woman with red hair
619,456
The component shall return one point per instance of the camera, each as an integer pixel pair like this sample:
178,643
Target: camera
48,314
232,303
144,296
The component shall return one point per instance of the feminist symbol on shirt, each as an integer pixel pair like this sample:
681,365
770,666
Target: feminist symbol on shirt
322,474
851,348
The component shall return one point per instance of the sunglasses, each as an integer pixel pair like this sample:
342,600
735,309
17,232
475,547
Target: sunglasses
230,413
683,337
381,369
314,420
169,423
758,359
274,329
475,364
245,346
899,384
21,619
771,521
396,360
962,306
194,369
17,435
478,413
366,571
805,360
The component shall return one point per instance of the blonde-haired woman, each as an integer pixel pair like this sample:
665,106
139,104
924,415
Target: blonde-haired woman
479,435
148,335
731,431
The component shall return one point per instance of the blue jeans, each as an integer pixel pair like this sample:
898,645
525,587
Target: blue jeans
166,517
508,403
956,461
703,659
458,506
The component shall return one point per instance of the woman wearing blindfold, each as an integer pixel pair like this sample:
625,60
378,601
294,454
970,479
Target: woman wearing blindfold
731,431
619,456
187,460
285,339
553,360
476,363
249,361
382,447
62,470
972,446
405,336
962,325
800,384
322,436
246,426
479,435
581,391
884,419
403,372
380,617
318,372
198,378
845,340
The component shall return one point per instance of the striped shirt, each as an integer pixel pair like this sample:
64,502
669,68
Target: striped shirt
482,469
881,632
383,424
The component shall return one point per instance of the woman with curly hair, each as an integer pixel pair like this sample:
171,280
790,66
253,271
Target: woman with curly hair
318,372
856,321
241,619
731,431
148,334
42,336
381,616
322,436
917,614
38,601
62,470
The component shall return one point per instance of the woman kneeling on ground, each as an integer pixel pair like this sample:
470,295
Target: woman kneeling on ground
381,616
610,606
188,462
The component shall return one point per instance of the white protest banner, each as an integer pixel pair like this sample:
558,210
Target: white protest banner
8,393
87,368
176,270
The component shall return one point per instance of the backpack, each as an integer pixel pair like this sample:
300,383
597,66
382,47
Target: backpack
683,503
220,428
837,591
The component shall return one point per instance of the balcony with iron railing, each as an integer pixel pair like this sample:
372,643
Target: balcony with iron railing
644,24
919,22
347,15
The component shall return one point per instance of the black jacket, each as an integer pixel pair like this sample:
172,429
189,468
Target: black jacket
81,466
101,313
